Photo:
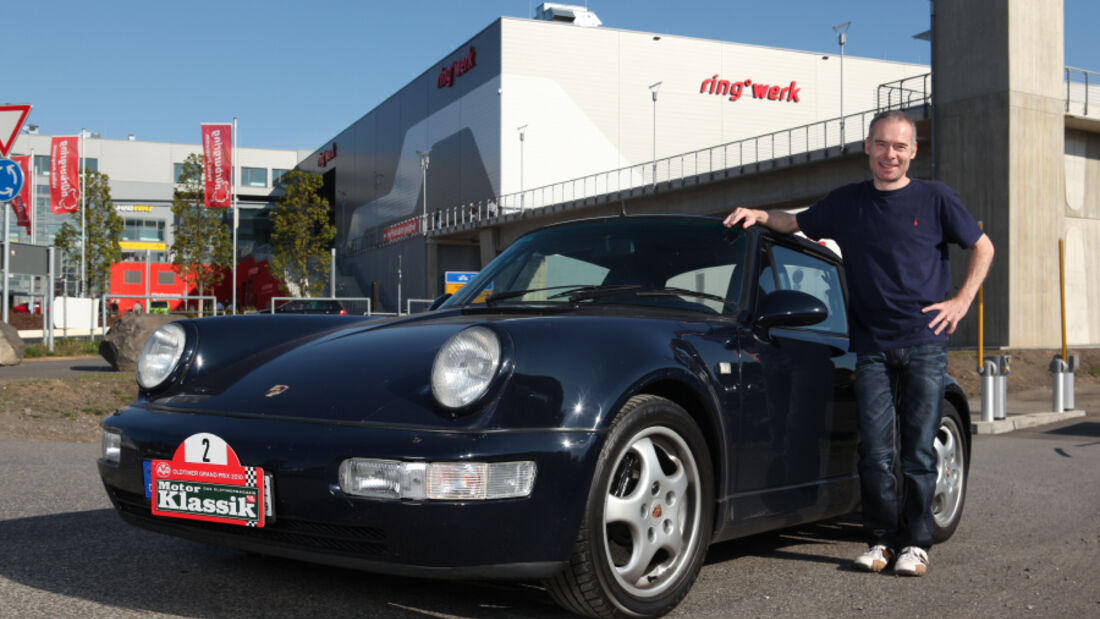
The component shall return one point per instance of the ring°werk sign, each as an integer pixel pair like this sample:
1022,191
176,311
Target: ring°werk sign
204,480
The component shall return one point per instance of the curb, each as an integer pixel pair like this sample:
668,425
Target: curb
1019,422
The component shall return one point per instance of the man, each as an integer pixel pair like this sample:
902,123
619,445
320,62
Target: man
893,232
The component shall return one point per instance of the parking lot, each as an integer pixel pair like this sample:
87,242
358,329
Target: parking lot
1026,547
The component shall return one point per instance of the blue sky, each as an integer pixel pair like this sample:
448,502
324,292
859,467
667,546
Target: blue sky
297,73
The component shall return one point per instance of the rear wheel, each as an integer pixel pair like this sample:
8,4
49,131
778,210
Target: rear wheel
648,519
951,472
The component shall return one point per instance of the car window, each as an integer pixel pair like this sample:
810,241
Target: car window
714,280
557,270
794,270
647,256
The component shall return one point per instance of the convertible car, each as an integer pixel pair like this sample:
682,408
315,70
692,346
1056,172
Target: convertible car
603,401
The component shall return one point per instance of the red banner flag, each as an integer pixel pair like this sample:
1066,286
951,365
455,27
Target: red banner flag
64,175
217,152
22,202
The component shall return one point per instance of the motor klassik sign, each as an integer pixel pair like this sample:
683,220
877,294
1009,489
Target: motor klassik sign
204,480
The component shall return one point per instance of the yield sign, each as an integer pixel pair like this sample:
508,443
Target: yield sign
11,121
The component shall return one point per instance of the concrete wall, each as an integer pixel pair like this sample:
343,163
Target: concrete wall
1082,236
999,135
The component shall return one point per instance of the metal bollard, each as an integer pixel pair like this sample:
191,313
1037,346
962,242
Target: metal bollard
988,372
1067,381
1004,367
1058,371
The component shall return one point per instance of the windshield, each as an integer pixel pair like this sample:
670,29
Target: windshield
693,265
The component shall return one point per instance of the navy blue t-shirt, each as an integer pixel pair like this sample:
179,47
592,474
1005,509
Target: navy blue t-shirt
895,256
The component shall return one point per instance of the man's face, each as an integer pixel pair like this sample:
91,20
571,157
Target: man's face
889,149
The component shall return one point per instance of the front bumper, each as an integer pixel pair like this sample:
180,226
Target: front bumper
523,538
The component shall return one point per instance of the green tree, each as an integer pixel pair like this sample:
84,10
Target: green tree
103,231
202,245
302,235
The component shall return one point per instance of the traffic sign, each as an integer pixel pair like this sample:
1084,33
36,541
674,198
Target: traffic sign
11,121
453,280
11,180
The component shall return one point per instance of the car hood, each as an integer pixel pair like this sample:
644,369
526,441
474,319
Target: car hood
379,372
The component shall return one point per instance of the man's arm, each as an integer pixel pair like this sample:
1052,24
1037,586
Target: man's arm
780,221
951,311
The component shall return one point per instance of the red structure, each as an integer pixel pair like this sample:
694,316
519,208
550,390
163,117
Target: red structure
255,285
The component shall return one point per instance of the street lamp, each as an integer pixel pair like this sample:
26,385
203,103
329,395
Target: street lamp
424,181
522,130
842,38
653,88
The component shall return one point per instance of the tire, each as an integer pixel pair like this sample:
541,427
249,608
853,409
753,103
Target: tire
952,465
648,518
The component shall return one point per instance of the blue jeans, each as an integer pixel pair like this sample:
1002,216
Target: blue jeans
913,380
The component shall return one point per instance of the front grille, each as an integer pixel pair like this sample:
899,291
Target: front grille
362,541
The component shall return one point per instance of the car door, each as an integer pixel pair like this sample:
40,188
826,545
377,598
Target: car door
797,427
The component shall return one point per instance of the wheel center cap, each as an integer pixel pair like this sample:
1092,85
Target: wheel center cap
657,511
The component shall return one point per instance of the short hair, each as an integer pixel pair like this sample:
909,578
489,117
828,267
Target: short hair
893,116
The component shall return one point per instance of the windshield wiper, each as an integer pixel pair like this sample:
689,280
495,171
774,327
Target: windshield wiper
669,292
594,292
573,292
511,294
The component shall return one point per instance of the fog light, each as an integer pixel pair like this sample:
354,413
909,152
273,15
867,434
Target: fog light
441,481
111,447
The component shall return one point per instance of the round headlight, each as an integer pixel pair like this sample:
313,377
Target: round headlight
465,366
160,355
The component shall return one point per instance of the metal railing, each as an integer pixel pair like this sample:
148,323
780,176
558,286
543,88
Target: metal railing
1082,91
904,93
749,154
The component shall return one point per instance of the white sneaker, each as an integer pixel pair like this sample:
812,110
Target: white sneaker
875,559
913,561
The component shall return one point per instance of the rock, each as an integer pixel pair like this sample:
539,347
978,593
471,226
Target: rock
124,340
11,345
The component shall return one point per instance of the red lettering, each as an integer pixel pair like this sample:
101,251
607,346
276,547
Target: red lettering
447,74
792,94
713,85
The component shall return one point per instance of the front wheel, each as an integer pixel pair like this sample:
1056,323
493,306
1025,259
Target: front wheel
951,473
649,516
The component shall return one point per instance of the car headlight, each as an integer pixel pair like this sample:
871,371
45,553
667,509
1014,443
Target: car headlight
465,366
111,447
160,355
438,481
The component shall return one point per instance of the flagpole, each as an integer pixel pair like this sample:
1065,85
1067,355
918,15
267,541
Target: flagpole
83,276
34,199
236,214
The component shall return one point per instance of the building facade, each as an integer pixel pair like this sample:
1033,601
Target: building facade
142,179
527,103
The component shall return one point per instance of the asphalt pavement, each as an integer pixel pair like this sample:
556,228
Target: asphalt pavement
54,367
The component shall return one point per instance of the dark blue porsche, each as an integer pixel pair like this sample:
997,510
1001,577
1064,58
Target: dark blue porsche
602,402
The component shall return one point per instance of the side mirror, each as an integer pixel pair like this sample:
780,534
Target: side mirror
787,308
439,301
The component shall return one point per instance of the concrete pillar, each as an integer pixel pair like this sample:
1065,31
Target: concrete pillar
489,241
1000,141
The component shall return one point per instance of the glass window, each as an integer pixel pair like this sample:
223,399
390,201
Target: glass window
166,278
798,271
131,277
143,230
651,262
254,177
91,164
276,174
42,162
177,172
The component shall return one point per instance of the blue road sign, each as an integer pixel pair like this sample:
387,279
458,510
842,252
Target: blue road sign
11,180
